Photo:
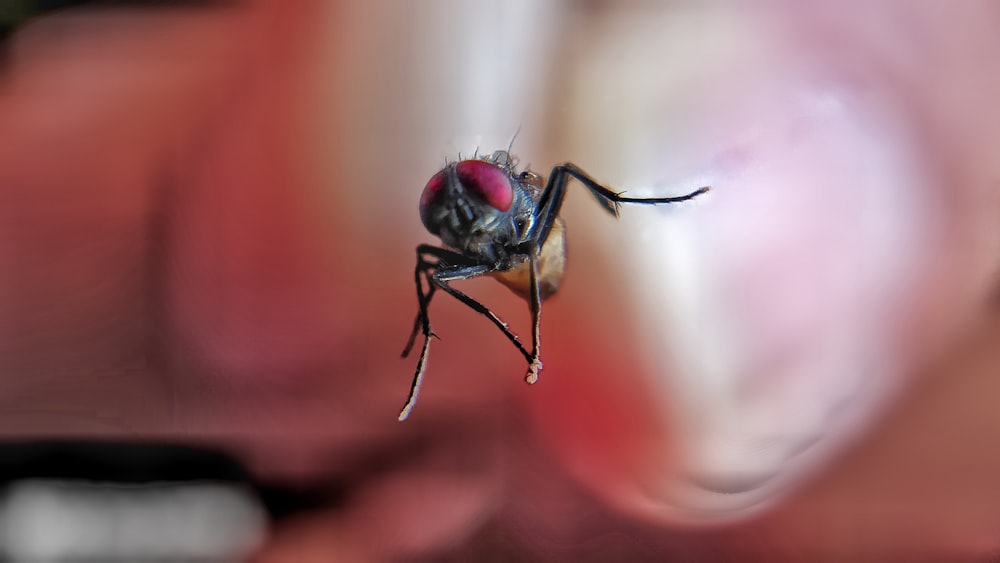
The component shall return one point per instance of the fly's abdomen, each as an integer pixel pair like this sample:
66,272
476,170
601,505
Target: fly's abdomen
551,266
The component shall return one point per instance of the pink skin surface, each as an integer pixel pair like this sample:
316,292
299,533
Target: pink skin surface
207,222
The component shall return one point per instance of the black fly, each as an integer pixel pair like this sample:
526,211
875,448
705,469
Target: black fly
500,222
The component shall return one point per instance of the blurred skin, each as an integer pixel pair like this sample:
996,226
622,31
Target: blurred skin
208,219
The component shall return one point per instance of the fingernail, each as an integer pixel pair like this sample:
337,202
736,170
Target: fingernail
768,309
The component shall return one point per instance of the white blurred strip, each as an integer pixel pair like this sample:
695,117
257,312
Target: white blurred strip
48,520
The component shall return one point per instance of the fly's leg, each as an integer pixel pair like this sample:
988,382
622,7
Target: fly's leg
448,266
552,197
423,324
441,279
549,205
534,364
424,300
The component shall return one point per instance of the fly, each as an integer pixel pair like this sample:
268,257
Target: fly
496,221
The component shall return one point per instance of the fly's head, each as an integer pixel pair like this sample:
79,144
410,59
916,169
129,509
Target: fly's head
478,207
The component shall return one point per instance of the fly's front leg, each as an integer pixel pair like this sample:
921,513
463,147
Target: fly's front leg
446,266
441,279
534,363
423,300
422,323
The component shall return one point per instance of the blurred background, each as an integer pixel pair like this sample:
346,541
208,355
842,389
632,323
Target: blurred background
208,214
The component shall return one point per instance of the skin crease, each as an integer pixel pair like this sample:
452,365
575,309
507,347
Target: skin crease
207,223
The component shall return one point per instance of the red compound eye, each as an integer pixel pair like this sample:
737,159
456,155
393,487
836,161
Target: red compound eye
431,192
488,181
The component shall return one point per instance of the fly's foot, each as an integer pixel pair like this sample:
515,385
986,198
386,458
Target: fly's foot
533,369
